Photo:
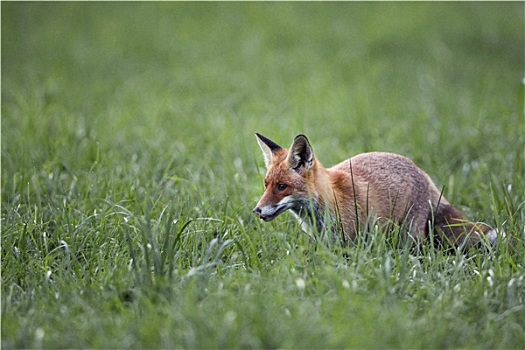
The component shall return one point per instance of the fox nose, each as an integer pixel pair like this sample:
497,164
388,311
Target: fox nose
258,212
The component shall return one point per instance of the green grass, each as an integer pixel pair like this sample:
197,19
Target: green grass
130,168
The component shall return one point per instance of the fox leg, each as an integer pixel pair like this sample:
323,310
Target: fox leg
418,229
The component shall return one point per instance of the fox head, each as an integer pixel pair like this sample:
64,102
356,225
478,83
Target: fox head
286,177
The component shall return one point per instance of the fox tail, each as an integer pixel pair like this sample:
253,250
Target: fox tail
454,229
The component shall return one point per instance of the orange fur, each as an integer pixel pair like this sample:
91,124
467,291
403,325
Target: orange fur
383,186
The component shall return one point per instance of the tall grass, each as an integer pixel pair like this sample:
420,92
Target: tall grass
130,169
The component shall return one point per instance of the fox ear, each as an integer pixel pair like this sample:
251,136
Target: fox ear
268,147
301,156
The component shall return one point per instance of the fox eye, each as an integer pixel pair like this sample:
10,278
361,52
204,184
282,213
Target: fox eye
281,187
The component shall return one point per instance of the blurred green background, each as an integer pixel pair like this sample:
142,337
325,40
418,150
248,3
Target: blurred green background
118,113
353,76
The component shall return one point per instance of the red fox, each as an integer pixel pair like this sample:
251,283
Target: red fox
385,187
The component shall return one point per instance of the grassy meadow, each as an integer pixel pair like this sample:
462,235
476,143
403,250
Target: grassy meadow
129,170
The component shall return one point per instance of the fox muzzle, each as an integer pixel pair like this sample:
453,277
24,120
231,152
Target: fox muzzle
270,212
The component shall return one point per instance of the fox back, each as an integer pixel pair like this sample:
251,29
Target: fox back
384,187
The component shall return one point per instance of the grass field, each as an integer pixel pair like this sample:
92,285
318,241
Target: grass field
130,169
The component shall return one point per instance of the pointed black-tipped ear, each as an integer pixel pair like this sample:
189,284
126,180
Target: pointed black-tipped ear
301,155
268,147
